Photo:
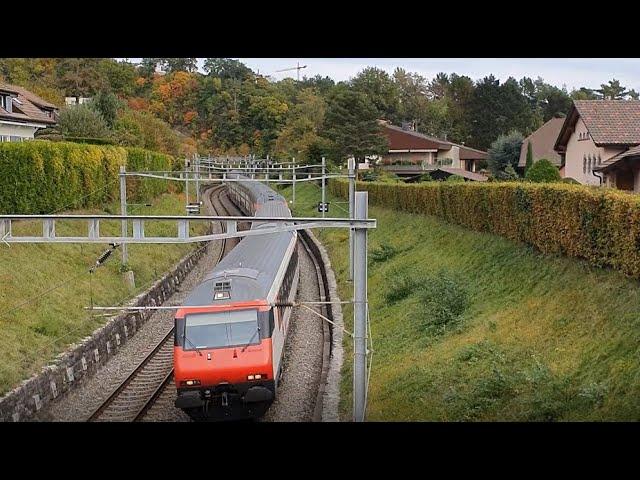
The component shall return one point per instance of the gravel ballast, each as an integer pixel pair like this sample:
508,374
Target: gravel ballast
298,388
79,404
302,364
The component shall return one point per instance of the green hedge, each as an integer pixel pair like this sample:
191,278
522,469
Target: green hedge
40,176
596,224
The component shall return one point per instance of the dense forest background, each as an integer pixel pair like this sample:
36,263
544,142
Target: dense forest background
230,109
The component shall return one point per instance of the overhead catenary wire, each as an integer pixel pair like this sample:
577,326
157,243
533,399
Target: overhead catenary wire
124,298
35,299
40,295
333,203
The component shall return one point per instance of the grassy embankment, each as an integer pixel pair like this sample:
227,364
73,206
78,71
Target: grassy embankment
470,326
34,325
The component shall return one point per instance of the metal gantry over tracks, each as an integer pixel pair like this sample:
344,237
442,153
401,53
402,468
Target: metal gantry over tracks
133,230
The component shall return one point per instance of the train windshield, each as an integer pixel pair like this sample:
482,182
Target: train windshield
221,329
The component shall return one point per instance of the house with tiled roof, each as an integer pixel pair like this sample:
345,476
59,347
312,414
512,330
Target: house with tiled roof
597,143
542,142
22,113
413,153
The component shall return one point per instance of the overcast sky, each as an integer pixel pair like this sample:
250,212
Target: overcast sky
572,72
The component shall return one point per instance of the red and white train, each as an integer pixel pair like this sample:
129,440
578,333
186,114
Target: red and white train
229,341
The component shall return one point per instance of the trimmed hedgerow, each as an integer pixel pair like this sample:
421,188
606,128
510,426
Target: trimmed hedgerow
41,176
596,224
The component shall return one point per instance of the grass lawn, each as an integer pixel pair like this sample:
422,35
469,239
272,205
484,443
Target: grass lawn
470,326
53,318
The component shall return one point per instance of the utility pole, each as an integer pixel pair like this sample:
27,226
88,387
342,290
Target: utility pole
186,172
323,184
197,160
294,180
352,192
123,212
360,310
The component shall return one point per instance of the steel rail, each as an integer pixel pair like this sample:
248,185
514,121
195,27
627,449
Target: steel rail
157,391
116,393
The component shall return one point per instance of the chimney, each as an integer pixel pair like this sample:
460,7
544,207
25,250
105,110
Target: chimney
408,126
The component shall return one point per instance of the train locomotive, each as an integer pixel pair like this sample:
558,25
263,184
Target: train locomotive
229,342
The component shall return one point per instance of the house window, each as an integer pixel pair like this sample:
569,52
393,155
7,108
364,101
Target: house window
3,101
589,163
4,138
584,164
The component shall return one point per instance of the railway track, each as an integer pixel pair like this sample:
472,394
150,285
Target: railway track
323,295
133,398
147,384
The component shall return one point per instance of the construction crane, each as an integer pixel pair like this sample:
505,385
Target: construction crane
298,68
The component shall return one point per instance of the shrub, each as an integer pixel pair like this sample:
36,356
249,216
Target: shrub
543,171
570,180
601,226
400,287
41,176
369,176
107,105
82,121
509,174
383,253
142,129
505,150
455,179
443,300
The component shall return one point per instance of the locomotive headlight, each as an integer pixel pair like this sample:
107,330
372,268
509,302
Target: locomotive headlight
190,383
250,377
256,376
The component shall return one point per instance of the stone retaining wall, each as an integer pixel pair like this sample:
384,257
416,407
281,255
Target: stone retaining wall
82,360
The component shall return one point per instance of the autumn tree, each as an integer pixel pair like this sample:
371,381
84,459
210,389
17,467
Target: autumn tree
379,87
120,76
322,85
351,126
226,68
412,95
80,77
171,65
301,132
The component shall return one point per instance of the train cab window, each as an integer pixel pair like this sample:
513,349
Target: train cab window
221,329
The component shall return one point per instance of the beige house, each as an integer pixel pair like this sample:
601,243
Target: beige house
594,140
542,142
22,113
